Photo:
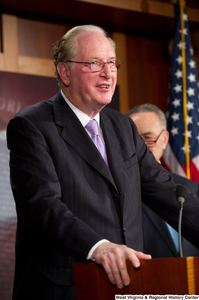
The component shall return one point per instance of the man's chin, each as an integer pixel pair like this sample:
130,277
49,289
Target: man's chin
106,100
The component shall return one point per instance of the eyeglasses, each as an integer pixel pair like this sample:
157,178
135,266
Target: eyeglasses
151,142
98,65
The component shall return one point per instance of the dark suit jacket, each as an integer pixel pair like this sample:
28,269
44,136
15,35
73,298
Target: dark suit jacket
157,239
67,199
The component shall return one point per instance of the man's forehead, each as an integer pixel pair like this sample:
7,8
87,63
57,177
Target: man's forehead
95,42
146,122
145,117
90,37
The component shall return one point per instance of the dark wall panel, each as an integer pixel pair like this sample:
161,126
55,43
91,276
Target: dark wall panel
148,71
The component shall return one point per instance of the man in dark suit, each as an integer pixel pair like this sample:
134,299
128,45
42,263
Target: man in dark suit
158,236
72,204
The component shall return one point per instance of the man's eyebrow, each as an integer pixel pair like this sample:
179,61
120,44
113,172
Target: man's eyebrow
112,57
147,133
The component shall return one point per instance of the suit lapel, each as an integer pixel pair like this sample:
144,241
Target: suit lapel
75,135
112,149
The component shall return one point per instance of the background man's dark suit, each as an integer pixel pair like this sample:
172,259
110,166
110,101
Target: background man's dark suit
157,239
67,199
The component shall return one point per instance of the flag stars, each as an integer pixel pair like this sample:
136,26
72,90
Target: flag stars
181,45
178,74
192,64
191,92
184,31
197,138
176,102
188,133
175,117
189,120
178,88
174,131
179,59
190,105
185,18
192,77
184,148
191,50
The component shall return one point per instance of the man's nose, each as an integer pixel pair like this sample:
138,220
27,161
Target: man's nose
106,70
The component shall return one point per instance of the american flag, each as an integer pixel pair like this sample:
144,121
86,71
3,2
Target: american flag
182,153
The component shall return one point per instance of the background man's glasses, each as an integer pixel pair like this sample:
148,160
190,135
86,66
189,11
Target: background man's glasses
151,142
98,65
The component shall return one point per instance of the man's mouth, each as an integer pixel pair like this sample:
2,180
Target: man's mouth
104,86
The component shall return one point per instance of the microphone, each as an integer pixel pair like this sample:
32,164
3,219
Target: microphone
181,194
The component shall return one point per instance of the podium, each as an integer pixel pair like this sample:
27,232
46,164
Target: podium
165,276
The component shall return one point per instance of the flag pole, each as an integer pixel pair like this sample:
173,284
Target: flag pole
182,6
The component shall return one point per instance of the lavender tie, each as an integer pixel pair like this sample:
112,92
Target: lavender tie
92,127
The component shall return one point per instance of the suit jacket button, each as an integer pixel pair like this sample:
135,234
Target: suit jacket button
124,229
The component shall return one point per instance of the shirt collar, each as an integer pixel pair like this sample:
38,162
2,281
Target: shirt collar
84,119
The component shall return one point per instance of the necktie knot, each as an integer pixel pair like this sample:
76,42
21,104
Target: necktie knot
92,127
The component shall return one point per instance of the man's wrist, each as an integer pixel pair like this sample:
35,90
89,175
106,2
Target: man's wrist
89,256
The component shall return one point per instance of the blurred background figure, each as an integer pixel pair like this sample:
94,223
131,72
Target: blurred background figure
160,239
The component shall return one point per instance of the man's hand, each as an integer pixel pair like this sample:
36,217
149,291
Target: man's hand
113,258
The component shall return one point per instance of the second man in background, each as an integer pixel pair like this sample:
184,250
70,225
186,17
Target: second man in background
160,239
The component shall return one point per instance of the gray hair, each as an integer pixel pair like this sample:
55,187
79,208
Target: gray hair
147,107
65,48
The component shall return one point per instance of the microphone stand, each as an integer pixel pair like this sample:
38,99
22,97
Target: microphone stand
181,194
179,226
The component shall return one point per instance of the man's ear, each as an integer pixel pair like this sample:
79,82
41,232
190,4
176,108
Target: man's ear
165,139
64,73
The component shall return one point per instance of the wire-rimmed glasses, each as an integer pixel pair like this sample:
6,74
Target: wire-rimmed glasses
98,65
151,142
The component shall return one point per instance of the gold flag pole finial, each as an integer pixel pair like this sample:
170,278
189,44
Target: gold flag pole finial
182,2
